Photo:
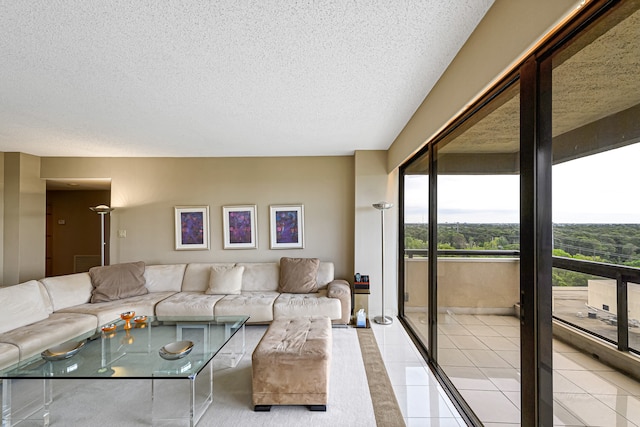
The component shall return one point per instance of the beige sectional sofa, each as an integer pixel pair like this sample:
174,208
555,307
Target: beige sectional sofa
37,315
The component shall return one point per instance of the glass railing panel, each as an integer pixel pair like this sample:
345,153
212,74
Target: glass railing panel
587,302
633,300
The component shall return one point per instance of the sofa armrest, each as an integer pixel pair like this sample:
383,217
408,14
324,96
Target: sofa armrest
342,290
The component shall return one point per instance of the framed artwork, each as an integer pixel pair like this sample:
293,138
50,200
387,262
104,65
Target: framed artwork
287,226
192,227
239,227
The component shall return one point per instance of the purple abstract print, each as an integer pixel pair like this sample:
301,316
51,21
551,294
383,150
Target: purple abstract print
240,227
287,227
192,224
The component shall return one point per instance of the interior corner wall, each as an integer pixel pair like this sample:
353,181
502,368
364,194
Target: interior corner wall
374,184
2,194
508,31
144,192
23,219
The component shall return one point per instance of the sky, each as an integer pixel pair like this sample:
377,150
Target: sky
602,188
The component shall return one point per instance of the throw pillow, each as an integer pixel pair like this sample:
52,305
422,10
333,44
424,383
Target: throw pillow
114,282
298,275
225,280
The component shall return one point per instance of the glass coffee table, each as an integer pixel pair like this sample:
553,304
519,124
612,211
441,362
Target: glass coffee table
174,354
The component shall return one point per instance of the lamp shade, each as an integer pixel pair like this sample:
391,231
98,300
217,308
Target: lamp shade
382,205
101,209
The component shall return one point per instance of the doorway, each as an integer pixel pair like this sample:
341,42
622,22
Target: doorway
73,231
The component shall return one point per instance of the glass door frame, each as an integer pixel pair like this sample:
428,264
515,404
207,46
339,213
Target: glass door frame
536,257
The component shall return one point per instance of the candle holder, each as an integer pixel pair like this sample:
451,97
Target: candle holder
127,316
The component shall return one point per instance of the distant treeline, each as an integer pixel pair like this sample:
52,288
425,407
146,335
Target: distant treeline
612,243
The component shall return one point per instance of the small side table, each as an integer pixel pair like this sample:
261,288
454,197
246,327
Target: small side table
361,300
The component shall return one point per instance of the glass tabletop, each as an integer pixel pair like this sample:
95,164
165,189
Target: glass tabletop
167,347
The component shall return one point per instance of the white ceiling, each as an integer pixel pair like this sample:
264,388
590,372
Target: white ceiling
127,78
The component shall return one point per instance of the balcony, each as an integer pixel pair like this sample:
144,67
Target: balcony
479,335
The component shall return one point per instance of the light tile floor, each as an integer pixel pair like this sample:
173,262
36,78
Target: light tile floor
480,354
421,398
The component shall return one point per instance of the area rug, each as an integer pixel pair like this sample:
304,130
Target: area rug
349,399
119,403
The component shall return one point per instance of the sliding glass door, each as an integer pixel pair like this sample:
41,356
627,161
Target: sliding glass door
596,217
520,251
415,255
478,281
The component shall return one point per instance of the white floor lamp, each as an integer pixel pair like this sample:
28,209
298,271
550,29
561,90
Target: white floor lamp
102,210
382,206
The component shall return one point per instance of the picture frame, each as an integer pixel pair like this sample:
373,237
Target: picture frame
192,227
239,225
287,226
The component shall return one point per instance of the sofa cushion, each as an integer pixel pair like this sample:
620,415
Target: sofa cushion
57,328
118,281
196,275
68,290
109,311
260,276
9,355
164,278
225,280
257,305
187,304
312,304
22,305
298,275
325,274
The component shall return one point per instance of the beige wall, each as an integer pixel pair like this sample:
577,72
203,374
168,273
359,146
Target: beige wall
373,184
2,205
23,219
509,30
144,192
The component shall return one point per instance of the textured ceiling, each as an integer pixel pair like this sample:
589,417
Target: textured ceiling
223,78
600,79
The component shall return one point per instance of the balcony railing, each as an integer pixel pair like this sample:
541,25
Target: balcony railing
410,253
495,288
624,276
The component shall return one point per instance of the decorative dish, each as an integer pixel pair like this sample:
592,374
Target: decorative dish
62,351
140,319
109,328
176,350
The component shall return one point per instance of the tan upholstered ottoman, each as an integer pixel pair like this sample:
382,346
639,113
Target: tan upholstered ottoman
291,364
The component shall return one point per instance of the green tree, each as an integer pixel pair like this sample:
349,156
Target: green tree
413,243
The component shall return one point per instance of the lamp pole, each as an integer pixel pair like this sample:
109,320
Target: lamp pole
102,210
382,206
